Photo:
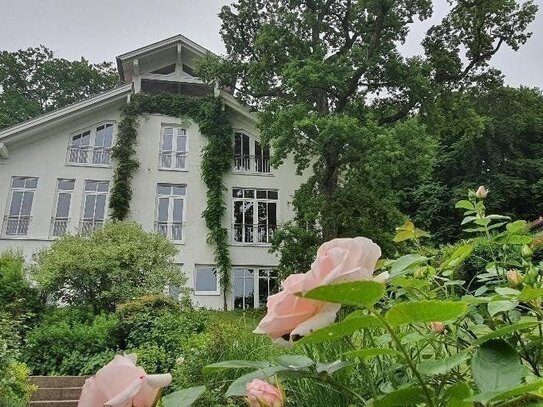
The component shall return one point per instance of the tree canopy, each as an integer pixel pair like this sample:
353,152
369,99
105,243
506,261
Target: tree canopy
334,90
34,81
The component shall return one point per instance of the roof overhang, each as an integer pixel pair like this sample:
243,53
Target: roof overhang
128,57
29,127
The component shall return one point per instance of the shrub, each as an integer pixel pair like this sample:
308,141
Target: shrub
15,388
17,297
68,339
116,263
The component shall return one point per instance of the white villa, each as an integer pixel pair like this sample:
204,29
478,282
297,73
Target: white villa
56,174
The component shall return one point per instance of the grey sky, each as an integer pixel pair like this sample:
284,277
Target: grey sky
101,29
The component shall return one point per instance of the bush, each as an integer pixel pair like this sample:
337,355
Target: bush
69,341
115,264
15,388
17,297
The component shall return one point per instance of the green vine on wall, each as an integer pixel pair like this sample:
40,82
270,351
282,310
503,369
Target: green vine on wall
217,158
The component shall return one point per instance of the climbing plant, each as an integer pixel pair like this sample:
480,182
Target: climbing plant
217,155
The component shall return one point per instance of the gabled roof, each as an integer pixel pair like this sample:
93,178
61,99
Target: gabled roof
157,47
74,109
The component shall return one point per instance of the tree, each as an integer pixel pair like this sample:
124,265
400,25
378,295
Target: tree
116,263
34,81
492,137
328,79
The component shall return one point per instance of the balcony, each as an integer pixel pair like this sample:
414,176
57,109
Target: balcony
89,155
87,226
252,234
173,160
16,225
252,164
172,230
59,226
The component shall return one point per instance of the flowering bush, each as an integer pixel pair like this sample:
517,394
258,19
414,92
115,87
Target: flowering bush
419,335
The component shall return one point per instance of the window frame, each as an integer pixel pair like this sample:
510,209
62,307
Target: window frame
92,145
9,203
217,279
252,139
174,143
171,199
82,218
54,217
255,223
257,270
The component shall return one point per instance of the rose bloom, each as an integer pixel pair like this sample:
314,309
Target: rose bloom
262,394
481,192
121,383
290,317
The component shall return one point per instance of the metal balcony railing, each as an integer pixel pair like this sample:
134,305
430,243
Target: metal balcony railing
253,234
251,163
172,230
16,225
173,160
89,155
59,226
87,226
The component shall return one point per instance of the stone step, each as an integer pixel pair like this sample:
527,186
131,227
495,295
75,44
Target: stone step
62,393
56,382
54,403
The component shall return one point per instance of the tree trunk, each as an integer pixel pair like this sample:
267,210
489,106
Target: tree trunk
328,188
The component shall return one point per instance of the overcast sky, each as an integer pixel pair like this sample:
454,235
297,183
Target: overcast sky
99,30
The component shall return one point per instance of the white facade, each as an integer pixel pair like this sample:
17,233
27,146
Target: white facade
40,158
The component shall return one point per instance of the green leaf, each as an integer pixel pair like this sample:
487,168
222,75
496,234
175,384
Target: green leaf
506,330
458,256
530,293
468,219
237,388
294,361
403,235
495,307
362,293
456,395
183,398
442,366
369,353
504,395
237,364
401,398
517,226
425,311
463,204
346,327
496,366
331,368
405,263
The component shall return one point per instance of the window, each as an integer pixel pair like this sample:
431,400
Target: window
171,211
173,148
22,195
255,215
94,205
252,286
250,155
61,216
92,146
206,281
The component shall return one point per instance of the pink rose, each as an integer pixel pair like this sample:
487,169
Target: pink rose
262,394
340,260
121,383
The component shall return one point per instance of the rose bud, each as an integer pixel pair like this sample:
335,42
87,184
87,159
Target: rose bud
262,394
514,278
438,327
481,192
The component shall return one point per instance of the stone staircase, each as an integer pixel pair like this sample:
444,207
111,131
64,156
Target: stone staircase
56,391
